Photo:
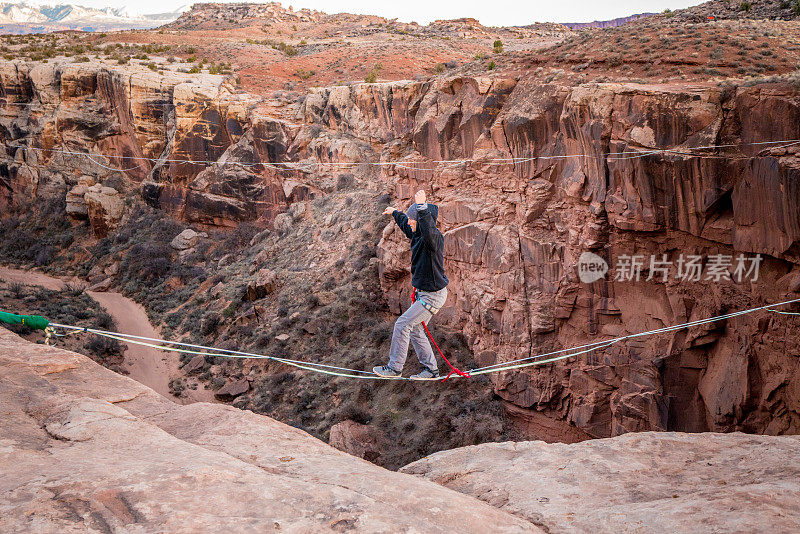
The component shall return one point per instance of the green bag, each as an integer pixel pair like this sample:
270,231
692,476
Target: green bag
36,322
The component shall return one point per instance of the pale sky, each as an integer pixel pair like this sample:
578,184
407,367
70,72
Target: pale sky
488,12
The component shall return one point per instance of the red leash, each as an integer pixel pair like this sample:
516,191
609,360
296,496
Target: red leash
454,369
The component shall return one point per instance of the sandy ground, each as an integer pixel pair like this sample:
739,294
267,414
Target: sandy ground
151,367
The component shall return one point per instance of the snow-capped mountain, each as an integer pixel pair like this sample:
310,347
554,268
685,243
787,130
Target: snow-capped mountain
31,16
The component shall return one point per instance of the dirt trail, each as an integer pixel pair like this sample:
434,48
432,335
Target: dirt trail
151,367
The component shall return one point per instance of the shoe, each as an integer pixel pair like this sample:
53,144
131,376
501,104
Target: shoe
386,371
426,374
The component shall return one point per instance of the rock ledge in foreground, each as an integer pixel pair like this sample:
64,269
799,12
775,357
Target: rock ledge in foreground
638,482
84,449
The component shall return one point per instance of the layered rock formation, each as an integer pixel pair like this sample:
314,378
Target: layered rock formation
514,232
643,482
85,449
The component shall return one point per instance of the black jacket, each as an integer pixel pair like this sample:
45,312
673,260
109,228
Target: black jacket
427,249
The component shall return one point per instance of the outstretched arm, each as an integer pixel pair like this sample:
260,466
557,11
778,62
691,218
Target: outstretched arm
401,220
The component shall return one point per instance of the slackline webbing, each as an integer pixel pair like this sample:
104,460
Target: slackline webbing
539,359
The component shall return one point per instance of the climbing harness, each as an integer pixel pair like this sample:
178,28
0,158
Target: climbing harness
453,369
38,322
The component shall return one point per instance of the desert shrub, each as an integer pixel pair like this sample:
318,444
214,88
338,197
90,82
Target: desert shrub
45,256
372,76
241,236
345,181
353,412
210,323
103,347
17,290
177,386
498,46
230,311
149,262
491,65
287,49
104,321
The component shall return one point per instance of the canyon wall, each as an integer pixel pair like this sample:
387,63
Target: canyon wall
514,231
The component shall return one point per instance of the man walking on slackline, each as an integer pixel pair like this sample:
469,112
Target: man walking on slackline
430,287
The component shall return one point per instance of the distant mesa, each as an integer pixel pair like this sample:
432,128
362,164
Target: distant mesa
613,23
33,17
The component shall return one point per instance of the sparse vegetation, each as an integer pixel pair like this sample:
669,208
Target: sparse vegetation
372,75
305,74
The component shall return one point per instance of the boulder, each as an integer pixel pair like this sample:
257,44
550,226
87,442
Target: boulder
103,285
76,202
195,364
185,240
283,223
265,283
359,440
233,388
105,207
640,482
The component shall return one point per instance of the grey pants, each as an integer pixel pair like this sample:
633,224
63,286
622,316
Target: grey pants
409,327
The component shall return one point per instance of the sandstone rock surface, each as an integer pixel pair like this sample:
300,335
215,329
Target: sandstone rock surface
84,449
105,207
641,482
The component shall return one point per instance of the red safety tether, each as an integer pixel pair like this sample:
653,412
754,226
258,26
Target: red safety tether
454,370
